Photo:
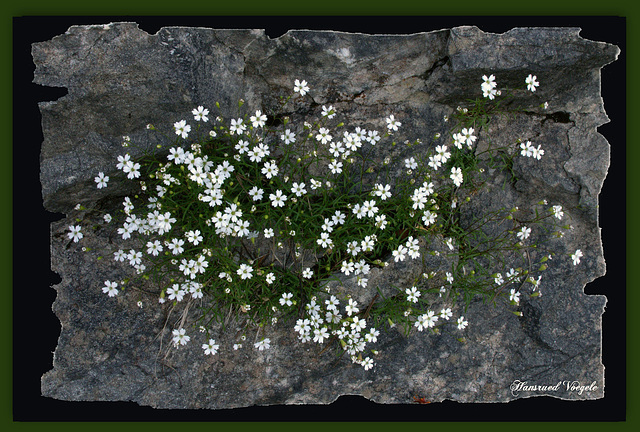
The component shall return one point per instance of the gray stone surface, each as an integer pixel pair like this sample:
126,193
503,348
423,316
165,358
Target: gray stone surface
120,78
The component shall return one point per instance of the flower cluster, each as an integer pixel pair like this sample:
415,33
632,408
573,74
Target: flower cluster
258,219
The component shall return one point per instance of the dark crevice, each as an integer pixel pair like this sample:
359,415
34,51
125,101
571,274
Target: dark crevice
49,94
559,117
273,121
438,64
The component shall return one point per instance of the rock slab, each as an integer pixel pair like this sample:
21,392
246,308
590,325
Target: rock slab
119,79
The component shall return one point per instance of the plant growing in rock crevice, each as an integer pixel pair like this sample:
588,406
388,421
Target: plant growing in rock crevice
286,221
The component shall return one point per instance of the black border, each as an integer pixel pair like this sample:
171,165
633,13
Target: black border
36,329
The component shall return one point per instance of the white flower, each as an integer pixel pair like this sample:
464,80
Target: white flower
442,154
154,248
101,180
176,293
413,294
237,126
285,300
307,273
514,296
180,337
176,154
323,136
459,139
576,256
445,313
182,128
255,193
327,225
359,211
277,199
319,335
557,211
298,189
489,81
194,237
347,267
431,318
462,323
328,112
399,254
315,184
367,244
367,363
392,123
338,218
434,162
373,137
488,87
429,218
537,153
110,288
381,221
324,240
122,161
332,303
426,320
358,324
258,120
300,87
303,326
263,344
531,83
175,246
270,278
270,169
335,166
524,233
468,136
489,92
382,191
370,208
527,149
131,169
200,114
242,146
288,137
352,307
456,176
372,336
245,271
119,255
210,348
410,163
362,267
76,233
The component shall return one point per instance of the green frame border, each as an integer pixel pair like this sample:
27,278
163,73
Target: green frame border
327,7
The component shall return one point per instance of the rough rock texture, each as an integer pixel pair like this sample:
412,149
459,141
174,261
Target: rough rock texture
120,79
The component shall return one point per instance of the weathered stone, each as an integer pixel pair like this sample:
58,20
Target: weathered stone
120,79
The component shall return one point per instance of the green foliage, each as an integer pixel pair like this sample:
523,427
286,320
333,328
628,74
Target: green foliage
271,223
